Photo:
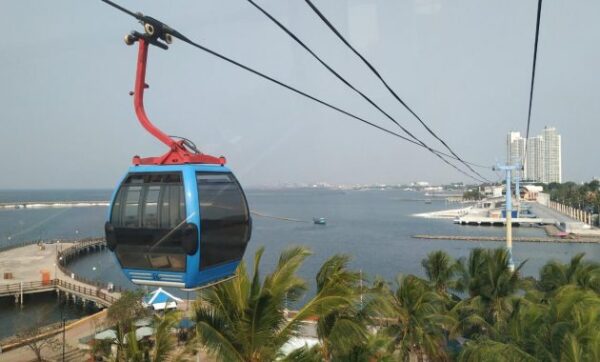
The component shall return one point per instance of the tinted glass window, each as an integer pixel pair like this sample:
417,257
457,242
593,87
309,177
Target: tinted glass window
132,205
225,219
147,215
150,218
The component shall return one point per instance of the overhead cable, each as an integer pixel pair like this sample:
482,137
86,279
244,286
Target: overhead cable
387,86
535,48
347,83
185,39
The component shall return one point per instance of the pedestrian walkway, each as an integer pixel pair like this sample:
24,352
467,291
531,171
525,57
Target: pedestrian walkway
28,264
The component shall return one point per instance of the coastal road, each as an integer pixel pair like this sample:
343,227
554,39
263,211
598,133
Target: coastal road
544,212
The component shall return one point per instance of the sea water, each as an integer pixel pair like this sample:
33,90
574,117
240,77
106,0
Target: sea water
373,227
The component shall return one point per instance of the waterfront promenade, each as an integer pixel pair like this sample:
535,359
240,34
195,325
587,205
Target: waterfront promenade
35,269
23,269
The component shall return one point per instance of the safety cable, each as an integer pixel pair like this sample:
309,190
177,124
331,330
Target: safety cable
378,75
535,48
348,84
185,39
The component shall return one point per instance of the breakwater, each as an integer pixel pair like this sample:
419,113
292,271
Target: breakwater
502,238
47,204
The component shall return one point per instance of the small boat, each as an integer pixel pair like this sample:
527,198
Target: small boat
428,201
319,221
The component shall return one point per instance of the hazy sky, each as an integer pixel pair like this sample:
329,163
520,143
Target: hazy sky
67,120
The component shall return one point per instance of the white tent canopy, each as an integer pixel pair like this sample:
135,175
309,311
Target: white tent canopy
107,334
143,332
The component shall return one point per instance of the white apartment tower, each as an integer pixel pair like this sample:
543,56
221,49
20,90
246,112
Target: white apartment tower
515,147
543,161
552,155
534,168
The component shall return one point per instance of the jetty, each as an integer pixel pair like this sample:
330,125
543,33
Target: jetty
41,267
527,239
47,204
495,221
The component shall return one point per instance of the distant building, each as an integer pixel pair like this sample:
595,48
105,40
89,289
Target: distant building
535,165
552,155
515,148
543,162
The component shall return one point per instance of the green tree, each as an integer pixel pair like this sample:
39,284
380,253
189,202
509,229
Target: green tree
554,274
341,329
493,351
492,286
570,326
343,332
473,194
244,320
122,314
441,270
417,325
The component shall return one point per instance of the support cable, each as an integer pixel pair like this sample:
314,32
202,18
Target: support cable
348,84
185,39
535,48
387,86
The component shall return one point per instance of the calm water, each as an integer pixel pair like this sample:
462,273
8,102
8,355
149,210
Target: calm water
38,309
374,227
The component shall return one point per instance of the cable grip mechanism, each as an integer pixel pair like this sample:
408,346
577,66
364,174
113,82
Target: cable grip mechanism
156,33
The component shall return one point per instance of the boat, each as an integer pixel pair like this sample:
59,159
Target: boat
428,201
319,221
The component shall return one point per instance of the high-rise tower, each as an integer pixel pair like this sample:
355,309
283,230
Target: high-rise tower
534,167
515,149
543,161
552,155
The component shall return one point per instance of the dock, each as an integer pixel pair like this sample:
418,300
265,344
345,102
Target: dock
491,221
22,271
47,204
527,239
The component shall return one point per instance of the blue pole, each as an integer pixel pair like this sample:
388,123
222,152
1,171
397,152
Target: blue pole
511,264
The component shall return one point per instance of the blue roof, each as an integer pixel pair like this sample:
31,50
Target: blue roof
186,323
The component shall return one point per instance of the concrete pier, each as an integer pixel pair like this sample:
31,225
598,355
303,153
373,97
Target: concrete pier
34,269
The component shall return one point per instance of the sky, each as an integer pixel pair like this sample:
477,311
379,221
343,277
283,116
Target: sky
67,121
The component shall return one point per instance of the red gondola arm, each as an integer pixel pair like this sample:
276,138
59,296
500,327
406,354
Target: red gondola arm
138,96
178,152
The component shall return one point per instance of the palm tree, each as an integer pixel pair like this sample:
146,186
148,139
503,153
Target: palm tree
570,329
245,320
164,345
161,348
554,274
441,270
492,287
470,271
343,332
418,319
342,329
493,351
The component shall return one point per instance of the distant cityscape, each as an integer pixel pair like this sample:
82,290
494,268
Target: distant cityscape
421,186
543,161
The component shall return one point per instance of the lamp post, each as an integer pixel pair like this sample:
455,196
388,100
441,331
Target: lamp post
62,320
63,337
